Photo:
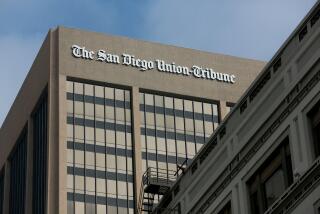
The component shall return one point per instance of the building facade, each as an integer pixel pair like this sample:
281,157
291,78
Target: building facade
96,111
264,157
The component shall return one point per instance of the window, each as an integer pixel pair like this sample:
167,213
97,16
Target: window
169,122
317,207
70,182
18,161
90,185
177,209
226,209
315,18
90,208
180,124
1,190
276,65
178,104
40,124
150,118
303,33
271,180
101,209
79,183
70,208
99,149
149,99
173,130
99,111
158,101
101,187
243,106
79,207
314,117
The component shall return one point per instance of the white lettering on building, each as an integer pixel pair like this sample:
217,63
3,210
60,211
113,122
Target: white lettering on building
81,52
144,65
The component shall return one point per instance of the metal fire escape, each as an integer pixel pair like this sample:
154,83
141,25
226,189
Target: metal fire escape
156,182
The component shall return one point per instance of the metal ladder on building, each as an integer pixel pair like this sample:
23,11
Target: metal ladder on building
157,182
148,202
154,182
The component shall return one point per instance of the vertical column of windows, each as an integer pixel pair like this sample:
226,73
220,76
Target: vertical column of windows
173,129
199,126
89,143
120,144
190,128
128,154
170,134
151,131
100,149
160,129
1,190
179,131
79,154
99,144
314,119
18,162
40,156
143,132
208,120
70,148
111,145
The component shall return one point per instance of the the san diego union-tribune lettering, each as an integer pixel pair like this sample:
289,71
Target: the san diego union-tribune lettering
145,65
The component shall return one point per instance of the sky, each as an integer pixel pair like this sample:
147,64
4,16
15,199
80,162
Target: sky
247,28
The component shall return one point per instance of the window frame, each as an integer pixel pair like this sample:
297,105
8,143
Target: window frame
316,206
313,117
269,166
226,209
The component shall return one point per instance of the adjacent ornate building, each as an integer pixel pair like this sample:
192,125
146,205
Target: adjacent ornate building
265,155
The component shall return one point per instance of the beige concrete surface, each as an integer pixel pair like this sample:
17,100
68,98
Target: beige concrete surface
55,63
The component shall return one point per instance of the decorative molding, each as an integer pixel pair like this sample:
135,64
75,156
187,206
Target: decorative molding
291,101
297,191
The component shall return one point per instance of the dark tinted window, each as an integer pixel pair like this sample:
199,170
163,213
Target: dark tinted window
1,190
40,156
226,209
314,117
271,180
18,176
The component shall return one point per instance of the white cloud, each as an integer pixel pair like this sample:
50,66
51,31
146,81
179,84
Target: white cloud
20,42
16,57
247,28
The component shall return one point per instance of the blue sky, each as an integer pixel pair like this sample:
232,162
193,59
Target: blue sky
248,28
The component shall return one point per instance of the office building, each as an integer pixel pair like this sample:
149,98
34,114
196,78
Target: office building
96,111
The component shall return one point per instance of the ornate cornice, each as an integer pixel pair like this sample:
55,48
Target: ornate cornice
291,101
